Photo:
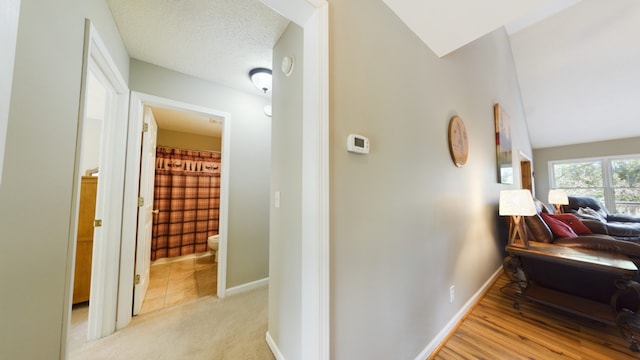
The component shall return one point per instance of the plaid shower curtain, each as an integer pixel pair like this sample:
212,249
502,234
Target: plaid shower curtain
187,195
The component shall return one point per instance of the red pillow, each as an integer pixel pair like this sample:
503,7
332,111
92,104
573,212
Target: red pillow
574,222
558,228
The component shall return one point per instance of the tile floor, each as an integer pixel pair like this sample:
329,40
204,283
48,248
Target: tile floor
176,282
170,283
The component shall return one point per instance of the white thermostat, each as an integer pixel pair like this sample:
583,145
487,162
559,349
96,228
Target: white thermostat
357,144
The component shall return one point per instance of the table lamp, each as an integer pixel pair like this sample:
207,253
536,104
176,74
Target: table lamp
558,197
517,203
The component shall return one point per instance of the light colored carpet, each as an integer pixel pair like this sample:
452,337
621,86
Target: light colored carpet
206,328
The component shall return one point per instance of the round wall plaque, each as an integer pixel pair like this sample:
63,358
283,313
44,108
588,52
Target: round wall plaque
458,141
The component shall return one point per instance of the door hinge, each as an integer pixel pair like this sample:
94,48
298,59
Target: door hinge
145,127
137,281
97,222
140,201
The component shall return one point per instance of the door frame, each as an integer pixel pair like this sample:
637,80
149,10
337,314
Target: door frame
130,215
144,231
526,162
105,262
313,17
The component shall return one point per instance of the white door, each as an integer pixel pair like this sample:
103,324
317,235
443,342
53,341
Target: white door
145,212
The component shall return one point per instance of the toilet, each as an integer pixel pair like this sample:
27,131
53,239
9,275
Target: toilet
212,241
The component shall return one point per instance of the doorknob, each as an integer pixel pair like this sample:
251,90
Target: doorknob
155,211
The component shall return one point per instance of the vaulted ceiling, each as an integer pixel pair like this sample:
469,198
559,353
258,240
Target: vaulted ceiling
577,62
579,73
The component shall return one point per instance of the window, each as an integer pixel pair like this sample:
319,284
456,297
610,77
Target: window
626,185
614,181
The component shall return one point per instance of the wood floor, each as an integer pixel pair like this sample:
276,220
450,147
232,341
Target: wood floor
496,330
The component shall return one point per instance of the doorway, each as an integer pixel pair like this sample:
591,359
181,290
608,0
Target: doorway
185,197
97,98
526,173
99,172
130,261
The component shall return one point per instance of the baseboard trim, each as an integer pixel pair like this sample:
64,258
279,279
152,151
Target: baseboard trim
274,347
453,324
246,287
170,260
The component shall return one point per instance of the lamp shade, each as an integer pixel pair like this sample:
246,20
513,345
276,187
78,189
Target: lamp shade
261,78
558,197
517,202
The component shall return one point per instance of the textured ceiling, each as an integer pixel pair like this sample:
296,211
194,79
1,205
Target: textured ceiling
217,40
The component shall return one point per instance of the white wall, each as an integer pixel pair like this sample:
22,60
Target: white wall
91,138
9,12
286,177
248,229
406,223
92,126
36,189
183,140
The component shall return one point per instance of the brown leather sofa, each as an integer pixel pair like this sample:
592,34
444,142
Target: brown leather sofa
589,284
601,221
538,230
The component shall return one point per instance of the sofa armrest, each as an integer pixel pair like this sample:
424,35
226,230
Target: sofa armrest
596,226
623,218
601,243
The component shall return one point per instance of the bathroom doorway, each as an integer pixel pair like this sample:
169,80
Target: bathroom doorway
186,209
183,125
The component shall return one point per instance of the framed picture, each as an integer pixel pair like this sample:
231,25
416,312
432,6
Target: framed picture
504,148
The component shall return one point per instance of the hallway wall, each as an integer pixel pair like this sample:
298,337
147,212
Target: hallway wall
38,176
406,223
285,283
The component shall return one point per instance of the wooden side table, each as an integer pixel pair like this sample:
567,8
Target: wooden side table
618,265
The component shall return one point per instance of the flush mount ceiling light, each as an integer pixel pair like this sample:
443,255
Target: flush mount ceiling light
261,78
